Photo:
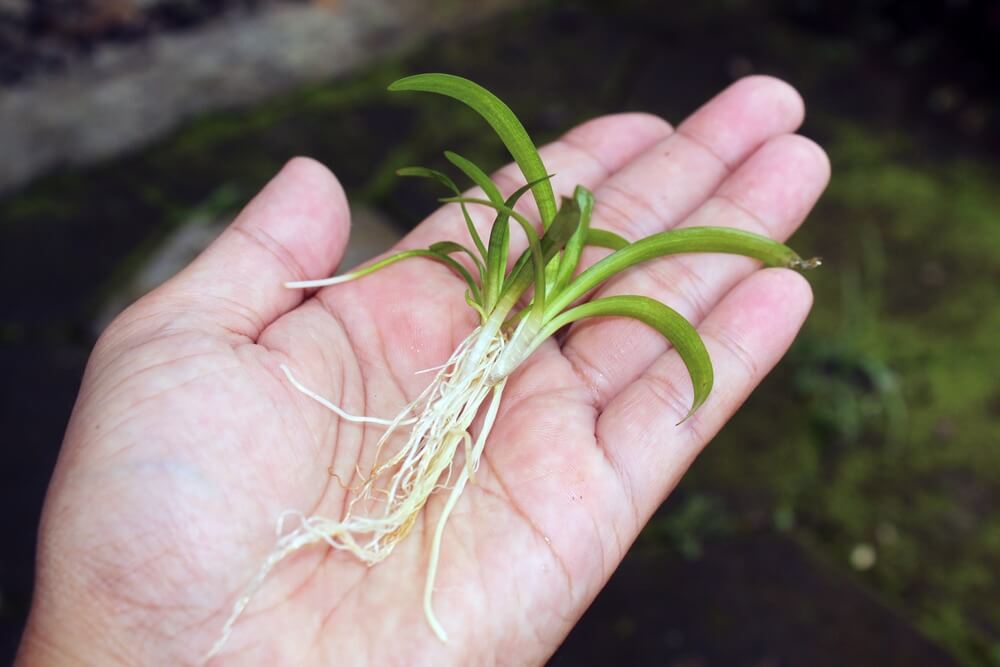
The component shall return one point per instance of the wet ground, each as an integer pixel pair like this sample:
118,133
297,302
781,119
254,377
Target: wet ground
661,609
860,530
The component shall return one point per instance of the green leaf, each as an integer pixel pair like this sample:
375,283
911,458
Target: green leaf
476,175
390,260
449,247
444,179
602,238
504,123
534,247
574,247
671,324
496,259
434,174
691,239
552,242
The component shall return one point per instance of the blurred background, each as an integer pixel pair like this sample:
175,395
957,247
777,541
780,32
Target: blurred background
846,516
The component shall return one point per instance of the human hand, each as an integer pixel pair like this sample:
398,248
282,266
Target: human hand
187,441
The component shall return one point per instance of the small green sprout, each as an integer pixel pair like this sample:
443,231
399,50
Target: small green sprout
518,310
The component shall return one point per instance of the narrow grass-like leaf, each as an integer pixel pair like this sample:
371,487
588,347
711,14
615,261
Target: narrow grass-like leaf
692,239
602,238
554,239
449,247
496,261
534,247
390,260
574,247
476,175
426,172
671,324
504,123
496,258
445,180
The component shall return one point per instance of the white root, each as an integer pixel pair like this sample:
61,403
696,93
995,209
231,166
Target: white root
468,470
400,486
336,410
322,282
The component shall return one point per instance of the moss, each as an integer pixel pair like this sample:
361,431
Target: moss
688,525
888,398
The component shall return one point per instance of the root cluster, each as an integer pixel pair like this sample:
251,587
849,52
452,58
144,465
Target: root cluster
392,495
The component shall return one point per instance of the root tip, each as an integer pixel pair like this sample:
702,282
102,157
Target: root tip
807,264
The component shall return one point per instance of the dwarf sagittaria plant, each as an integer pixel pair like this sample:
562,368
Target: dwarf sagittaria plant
520,304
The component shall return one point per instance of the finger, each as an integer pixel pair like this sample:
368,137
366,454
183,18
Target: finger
770,194
586,155
295,228
746,334
674,177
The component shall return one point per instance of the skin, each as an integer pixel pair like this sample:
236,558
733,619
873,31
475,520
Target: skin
186,442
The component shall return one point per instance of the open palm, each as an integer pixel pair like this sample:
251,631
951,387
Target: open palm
187,442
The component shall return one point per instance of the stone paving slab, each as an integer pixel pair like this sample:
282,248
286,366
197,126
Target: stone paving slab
126,96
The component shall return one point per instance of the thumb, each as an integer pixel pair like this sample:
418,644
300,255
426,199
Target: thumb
296,228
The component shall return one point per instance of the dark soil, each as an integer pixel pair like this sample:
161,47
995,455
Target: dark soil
659,609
